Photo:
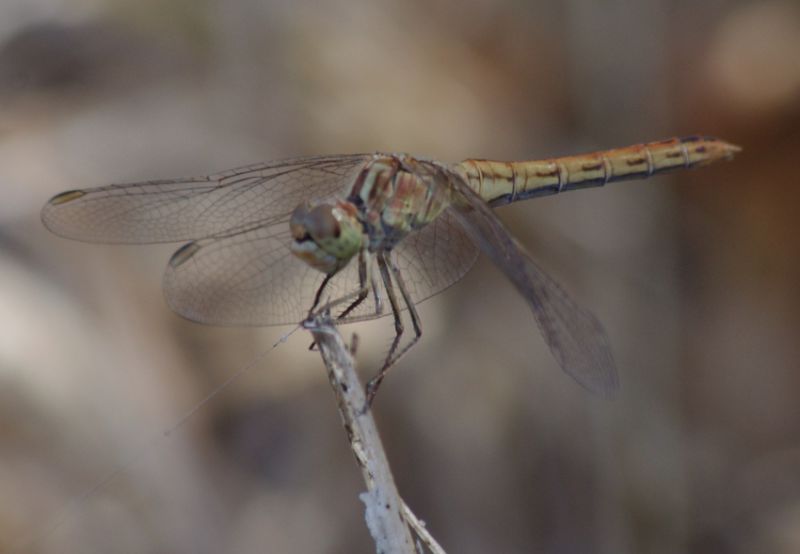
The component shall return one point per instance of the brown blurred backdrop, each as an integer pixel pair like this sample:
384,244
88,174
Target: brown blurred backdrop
695,277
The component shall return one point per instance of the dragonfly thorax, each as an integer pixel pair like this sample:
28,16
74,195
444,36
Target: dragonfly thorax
396,196
326,236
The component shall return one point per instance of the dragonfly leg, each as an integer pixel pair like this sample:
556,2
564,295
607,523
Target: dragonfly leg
377,295
412,310
318,295
317,298
383,264
366,281
377,312
363,288
363,291
389,272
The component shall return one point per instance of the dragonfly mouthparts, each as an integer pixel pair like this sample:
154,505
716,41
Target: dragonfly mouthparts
326,236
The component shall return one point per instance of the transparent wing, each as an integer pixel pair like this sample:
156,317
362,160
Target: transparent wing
430,259
250,277
435,257
246,278
197,207
574,335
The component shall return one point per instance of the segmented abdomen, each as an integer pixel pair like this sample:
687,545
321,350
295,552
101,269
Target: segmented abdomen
505,182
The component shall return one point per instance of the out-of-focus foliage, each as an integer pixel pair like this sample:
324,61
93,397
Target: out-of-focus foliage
695,277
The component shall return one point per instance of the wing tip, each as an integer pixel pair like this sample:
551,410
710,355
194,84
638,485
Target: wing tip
65,197
604,384
48,217
609,389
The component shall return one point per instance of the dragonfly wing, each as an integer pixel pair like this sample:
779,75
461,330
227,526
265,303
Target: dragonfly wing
430,260
435,257
197,207
247,278
574,335
250,277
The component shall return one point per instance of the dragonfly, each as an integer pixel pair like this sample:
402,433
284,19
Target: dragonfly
276,242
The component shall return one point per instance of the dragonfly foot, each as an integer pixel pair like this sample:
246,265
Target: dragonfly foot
371,390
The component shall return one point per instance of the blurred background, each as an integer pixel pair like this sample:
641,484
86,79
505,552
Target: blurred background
695,276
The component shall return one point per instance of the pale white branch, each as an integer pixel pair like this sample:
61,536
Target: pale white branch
388,518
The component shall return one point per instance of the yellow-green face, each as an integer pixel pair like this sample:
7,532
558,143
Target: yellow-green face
326,236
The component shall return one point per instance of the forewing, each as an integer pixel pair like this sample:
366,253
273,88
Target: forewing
575,337
198,207
250,277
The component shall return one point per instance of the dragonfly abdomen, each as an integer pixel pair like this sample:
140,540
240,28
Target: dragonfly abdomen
501,183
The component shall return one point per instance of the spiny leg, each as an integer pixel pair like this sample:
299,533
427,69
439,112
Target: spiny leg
362,295
363,290
376,293
365,282
388,272
375,382
412,311
398,321
317,298
378,306
318,295
377,312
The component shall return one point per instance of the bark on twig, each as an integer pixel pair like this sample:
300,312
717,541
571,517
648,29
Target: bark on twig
387,516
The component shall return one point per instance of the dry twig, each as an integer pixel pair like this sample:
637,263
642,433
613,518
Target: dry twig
388,518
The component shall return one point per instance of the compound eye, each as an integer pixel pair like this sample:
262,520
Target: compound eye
297,224
322,224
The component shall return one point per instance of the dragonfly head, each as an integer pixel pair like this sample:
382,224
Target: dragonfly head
326,236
